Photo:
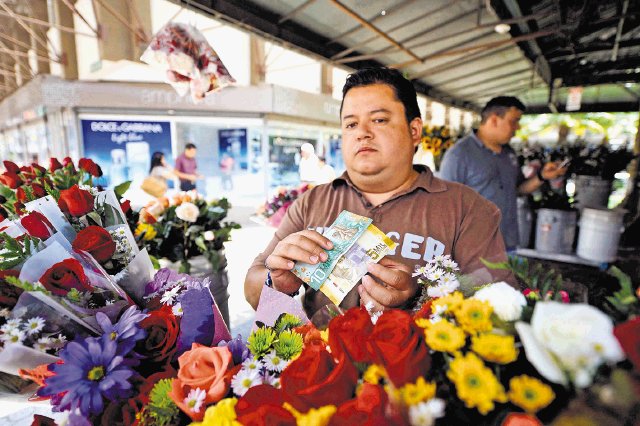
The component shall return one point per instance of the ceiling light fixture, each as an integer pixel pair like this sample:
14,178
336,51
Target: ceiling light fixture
384,12
583,62
502,28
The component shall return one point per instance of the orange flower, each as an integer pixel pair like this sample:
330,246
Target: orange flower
204,368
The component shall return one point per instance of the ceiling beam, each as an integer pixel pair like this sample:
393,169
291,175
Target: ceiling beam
475,84
463,60
498,65
38,39
46,24
614,51
295,11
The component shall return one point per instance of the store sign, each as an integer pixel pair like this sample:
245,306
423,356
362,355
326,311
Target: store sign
574,98
233,142
124,148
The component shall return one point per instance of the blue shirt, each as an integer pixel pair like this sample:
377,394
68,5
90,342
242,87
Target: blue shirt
495,176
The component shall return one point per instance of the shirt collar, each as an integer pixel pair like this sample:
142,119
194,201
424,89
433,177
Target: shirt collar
426,180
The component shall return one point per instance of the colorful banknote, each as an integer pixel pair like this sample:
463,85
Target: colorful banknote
372,246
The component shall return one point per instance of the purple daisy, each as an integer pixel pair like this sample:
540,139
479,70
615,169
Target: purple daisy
92,371
126,331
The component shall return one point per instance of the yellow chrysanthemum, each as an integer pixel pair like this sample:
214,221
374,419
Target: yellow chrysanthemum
530,394
221,414
314,417
414,393
444,336
474,316
146,229
374,374
475,384
495,348
451,302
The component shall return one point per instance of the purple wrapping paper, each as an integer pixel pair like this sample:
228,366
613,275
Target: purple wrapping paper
274,303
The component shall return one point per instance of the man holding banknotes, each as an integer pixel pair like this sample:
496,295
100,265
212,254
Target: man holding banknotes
425,216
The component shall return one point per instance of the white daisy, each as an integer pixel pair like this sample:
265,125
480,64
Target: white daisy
14,322
16,336
177,309
169,296
449,280
4,313
252,364
435,274
438,291
59,341
245,380
195,399
439,259
450,264
425,413
9,327
420,270
271,380
273,362
43,344
34,325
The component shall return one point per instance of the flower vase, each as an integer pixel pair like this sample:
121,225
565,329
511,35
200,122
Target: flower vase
202,268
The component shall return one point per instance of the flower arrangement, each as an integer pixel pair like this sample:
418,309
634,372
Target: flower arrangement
185,226
274,209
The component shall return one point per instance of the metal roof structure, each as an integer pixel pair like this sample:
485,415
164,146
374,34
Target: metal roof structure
453,50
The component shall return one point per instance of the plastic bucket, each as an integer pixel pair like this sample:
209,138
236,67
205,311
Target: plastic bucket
592,192
600,234
525,222
555,231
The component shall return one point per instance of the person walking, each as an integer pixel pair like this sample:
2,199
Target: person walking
186,168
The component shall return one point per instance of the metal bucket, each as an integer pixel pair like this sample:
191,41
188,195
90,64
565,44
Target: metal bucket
592,191
600,234
525,222
555,231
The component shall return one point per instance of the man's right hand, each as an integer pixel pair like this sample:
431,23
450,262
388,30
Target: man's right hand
304,246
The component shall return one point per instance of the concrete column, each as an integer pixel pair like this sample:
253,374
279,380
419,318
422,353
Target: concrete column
257,60
326,79
39,11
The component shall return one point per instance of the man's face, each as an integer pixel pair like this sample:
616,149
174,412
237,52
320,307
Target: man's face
190,153
505,127
375,135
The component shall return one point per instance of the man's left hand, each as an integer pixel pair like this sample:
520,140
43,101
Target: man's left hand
391,288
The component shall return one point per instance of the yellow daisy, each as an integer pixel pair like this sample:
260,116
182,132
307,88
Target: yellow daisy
314,417
221,414
475,384
414,393
444,337
530,394
451,302
474,316
495,348
374,374
146,229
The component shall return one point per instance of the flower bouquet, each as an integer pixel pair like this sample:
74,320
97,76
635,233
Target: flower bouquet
275,208
435,141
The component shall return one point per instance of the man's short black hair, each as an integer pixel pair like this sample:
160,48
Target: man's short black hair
402,88
500,105
189,146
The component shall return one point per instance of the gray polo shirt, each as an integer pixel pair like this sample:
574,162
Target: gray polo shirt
494,176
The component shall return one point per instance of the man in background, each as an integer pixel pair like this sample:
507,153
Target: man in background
309,166
484,161
186,168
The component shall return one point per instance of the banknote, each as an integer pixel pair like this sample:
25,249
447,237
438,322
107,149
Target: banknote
372,246
343,233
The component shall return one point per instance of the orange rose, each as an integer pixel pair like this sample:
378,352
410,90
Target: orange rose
204,368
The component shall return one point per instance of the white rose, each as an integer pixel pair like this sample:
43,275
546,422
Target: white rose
569,340
506,301
209,235
188,212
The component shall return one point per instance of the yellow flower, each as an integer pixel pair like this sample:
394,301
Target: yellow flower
324,334
451,302
314,417
414,393
148,230
475,384
374,374
474,316
423,322
221,414
495,348
530,394
444,337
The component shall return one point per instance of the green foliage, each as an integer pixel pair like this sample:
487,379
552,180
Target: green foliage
289,344
25,285
161,410
261,340
121,189
533,276
52,191
624,301
15,253
286,322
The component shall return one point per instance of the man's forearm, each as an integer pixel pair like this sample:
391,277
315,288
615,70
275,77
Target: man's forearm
529,185
253,284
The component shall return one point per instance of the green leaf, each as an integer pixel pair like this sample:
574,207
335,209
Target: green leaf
493,265
121,189
155,262
7,192
95,218
185,267
26,285
52,191
200,243
11,244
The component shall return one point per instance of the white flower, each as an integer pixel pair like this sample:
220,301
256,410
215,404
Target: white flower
449,263
439,259
506,301
209,236
252,364
4,313
273,362
443,289
569,340
15,336
34,325
14,323
188,212
169,295
435,273
420,270
59,341
8,328
244,380
272,380
425,413
195,399
43,344
177,310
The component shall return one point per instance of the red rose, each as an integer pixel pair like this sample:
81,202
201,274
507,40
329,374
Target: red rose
315,379
75,201
54,164
348,334
11,167
37,225
125,206
36,190
63,276
628,334
162,333
147,384
11,180
397,343
38,169
368,408
89,166
261,406
96,241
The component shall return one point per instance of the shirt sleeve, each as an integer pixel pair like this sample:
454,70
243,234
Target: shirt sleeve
453,167
179,166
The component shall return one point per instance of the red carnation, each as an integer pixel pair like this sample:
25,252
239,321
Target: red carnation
63,276
97,241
